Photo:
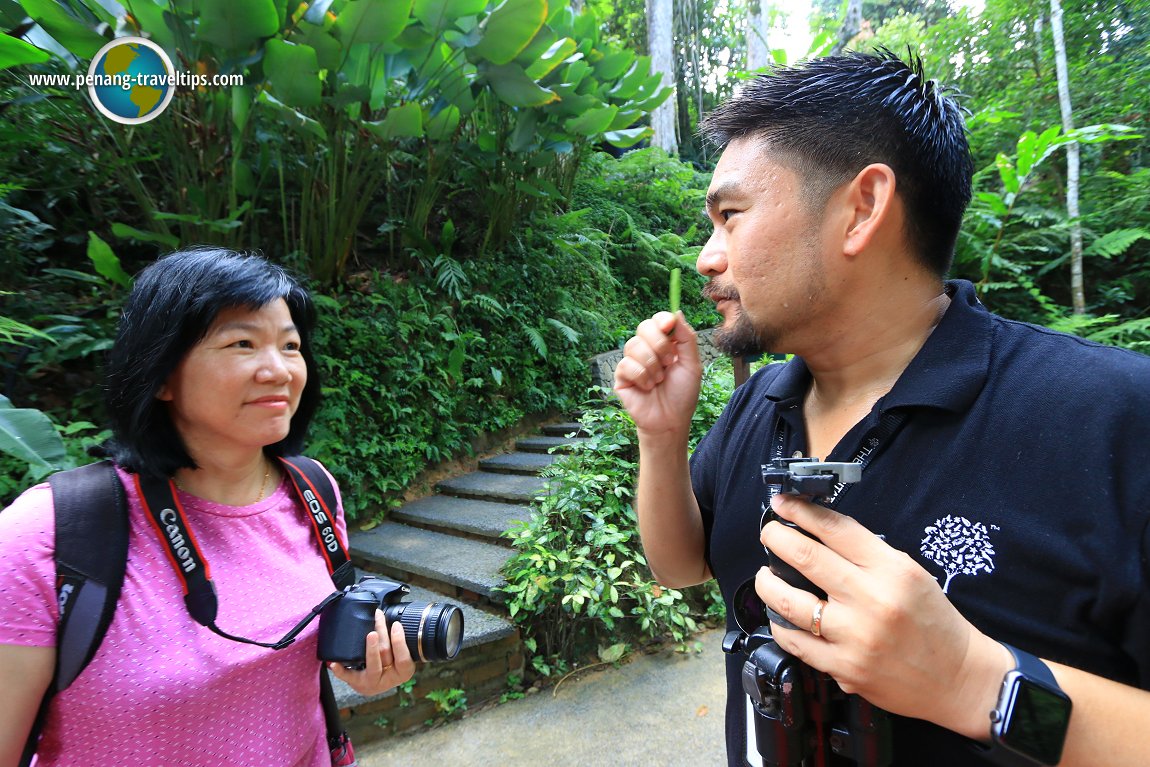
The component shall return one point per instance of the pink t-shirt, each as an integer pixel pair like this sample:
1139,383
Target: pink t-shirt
163,690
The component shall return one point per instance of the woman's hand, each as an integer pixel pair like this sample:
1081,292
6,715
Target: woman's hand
389,662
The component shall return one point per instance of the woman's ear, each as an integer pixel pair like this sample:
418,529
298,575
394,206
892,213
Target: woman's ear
871,199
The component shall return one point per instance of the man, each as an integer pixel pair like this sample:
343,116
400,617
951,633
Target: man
1005,496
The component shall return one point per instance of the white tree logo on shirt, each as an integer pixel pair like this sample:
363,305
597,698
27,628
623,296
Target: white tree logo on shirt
959,547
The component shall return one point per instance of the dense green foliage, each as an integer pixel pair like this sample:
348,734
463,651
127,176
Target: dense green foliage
578,583
417,365
418,369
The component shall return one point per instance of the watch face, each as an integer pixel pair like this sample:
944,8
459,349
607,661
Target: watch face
1036,721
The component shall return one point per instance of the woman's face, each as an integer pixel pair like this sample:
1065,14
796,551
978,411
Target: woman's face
239,387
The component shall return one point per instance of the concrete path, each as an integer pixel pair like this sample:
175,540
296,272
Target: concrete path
658,710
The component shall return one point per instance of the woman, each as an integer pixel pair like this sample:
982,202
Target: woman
210,379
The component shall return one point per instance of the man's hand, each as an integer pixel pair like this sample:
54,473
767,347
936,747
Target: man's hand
887,631
389,662
659,377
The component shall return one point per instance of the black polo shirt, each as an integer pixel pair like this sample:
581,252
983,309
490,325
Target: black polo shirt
1020,478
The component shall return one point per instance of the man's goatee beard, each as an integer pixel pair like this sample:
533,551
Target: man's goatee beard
740,340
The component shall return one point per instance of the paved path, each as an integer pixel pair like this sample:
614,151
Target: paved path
658,710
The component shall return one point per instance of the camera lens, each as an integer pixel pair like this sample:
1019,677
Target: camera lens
748,610
434,631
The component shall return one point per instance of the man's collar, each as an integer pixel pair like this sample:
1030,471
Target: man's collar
948,372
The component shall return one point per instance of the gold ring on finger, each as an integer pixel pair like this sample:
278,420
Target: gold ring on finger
817,619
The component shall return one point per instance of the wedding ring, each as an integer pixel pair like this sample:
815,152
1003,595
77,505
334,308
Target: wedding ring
817,619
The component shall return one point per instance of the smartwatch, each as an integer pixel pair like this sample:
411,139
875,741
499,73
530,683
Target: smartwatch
1028,726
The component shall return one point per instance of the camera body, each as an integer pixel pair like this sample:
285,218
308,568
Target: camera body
809,476
433,631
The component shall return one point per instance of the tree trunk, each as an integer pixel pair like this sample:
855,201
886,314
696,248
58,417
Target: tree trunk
852,25
660,44
758,51
1077,283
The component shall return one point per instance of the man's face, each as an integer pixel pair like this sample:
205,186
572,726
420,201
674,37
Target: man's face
764,258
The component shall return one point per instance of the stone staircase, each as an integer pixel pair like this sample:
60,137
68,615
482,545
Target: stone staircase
448,548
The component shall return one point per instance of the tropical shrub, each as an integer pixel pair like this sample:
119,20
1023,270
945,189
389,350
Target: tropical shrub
578,582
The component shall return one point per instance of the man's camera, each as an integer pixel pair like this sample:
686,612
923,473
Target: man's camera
434,631
795,476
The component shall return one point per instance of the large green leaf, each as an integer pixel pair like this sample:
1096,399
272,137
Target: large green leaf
614,64
105,262
151,18
442,126
512,85
625,119
293,71
455,86
372,21
631,82
74,34
438,15
236,25
30,436
291,117
509,29
404,121
125,232
328,51
14,52
592,122
539,44
626,138
573,104
551,58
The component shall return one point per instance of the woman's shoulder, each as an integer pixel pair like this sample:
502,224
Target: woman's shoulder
30,514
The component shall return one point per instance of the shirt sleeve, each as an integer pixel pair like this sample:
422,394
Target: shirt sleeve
28,608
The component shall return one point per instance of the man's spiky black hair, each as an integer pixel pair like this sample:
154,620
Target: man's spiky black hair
831,117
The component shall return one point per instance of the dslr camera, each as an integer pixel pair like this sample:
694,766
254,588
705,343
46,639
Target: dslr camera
434,631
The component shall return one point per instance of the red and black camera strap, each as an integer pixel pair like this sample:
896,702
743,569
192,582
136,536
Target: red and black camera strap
166,514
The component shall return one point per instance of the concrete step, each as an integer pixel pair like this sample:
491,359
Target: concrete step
518,463
491,650
446,513
564,429
489,486
546,444
462,568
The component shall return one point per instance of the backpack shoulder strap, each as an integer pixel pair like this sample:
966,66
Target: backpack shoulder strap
318,495
91,552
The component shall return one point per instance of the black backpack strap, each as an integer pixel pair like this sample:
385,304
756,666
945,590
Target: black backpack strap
318,496
91,555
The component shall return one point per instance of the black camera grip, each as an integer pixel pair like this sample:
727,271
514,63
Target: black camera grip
343,629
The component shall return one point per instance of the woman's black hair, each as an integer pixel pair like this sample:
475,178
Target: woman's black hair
173,304
831,117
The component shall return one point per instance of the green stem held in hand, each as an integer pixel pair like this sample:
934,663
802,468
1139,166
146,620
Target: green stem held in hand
675,290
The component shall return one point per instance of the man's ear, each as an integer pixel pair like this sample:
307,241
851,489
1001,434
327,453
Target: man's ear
871,200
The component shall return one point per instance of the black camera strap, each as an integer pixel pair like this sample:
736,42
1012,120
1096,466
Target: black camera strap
166,514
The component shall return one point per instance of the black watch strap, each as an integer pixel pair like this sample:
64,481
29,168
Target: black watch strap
1028,725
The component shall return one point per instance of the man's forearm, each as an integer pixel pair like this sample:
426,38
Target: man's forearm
670,525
